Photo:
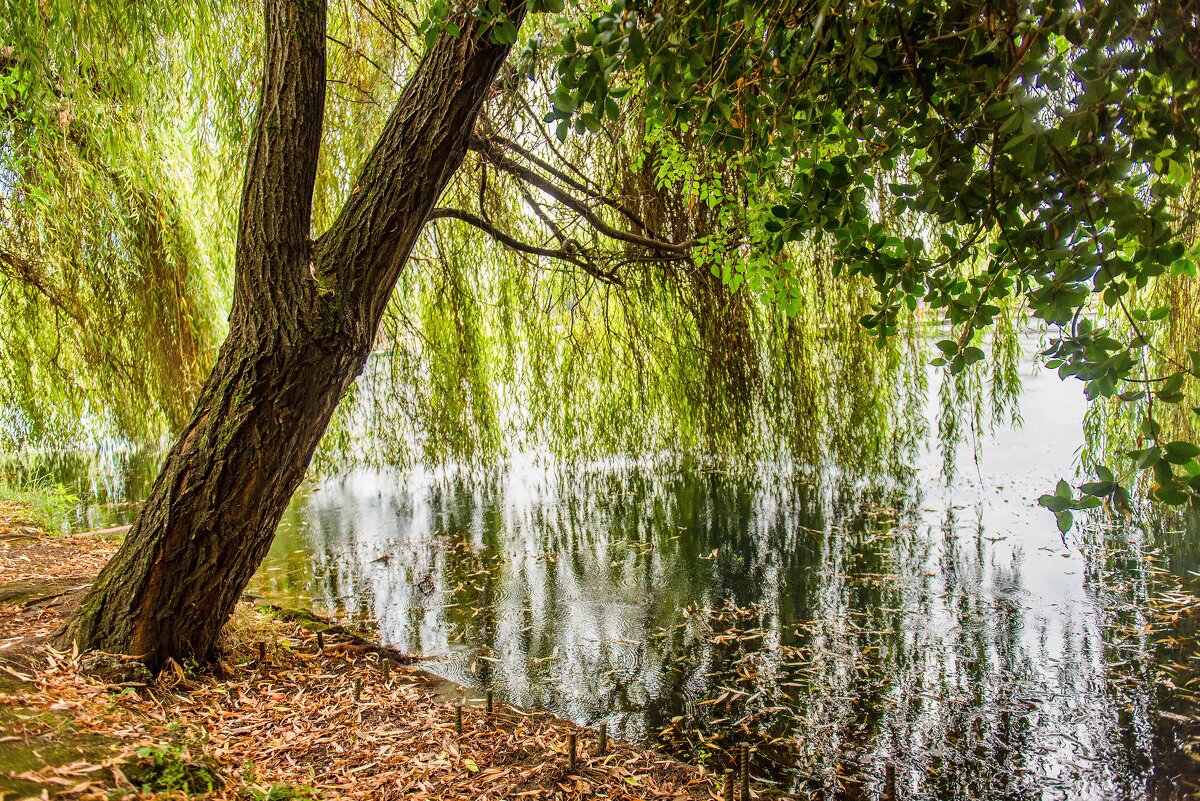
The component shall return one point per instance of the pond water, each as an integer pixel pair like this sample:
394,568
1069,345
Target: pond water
835,624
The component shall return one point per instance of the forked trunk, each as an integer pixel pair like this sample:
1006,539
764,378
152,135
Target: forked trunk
303,320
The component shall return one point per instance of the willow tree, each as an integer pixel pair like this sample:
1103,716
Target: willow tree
304,316
1032,151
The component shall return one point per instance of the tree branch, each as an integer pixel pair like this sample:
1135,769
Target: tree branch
495,155
579,186
281,168
509,241
569,254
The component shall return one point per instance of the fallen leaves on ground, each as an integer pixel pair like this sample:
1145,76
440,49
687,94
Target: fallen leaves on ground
330,720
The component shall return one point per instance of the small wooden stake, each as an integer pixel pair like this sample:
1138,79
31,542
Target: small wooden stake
603,739
458,720
357,690
744,758
727,789
572,756
262,652
320,641
386,667
488,701
889,782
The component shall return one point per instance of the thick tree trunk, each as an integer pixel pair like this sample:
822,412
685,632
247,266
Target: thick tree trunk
303,320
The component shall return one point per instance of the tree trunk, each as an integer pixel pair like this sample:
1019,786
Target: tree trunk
303,321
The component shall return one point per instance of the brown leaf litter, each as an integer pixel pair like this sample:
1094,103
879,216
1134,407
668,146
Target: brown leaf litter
303,723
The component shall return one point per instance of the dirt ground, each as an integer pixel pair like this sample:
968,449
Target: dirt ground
279,717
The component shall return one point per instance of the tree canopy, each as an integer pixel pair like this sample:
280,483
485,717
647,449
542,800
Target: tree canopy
1044,152
668,210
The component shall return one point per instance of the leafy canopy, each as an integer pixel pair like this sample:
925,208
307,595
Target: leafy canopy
959,157
1043,151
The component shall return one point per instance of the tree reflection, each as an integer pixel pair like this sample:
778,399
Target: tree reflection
830,622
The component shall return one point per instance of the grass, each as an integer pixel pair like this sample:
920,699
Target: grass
38,504
172,769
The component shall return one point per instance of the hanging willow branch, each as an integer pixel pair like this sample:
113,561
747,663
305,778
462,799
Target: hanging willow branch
495,155
509,241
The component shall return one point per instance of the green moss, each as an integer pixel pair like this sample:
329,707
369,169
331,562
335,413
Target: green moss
23,591
47,738
169,768
302,616
281,792
42,738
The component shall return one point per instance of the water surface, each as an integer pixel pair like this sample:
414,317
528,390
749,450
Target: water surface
835,622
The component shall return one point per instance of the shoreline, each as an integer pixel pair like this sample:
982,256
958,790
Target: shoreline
295,707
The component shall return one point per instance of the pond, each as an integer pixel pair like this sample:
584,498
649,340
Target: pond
842,626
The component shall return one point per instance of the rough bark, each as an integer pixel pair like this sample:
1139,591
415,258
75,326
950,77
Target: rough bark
303,321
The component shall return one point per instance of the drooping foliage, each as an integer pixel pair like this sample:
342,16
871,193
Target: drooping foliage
619,342
1116,427
672,222
1041,151
119,283
112,212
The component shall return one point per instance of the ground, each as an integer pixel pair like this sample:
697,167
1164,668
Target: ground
348,720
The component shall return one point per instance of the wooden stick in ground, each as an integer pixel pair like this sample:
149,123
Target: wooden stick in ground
262,653
572,755
458,720
889,782
727,788
744,767
603,747
320,642
488,701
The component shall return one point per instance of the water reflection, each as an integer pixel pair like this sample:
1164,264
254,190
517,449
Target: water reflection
109,482
836,625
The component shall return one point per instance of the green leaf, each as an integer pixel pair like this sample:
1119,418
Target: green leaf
1054,503
1171,495
972,354
504,32
1180,449
1146,457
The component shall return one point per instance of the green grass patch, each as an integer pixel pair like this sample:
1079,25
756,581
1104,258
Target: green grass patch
40,504
172,769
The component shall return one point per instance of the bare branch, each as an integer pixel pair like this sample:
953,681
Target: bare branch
579,186
569,253
444,213
496,156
